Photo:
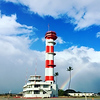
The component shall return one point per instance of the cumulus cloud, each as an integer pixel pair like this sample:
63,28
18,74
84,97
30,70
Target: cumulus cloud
85,62
18,61
60,40
80,13
11,33
15,54
9,26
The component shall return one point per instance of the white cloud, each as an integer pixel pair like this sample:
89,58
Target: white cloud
85,62
34,40
43,39
98,34
9,26
80,12
15,55
60,40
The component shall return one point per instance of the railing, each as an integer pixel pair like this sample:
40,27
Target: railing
35,88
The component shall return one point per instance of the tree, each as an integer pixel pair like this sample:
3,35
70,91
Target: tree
61,92
56,74
69,69
98,93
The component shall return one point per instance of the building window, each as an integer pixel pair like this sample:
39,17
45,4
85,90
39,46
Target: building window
45,86
29,92
29,86
36,86
36,92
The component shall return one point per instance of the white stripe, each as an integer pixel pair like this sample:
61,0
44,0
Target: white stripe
49,72
49,56
49,42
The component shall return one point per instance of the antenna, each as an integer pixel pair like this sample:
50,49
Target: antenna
36,66
48,27
35,70
26,75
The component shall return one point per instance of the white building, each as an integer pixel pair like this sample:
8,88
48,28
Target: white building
37,88
81,94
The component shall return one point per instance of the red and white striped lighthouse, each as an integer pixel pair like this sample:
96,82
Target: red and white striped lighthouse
50,37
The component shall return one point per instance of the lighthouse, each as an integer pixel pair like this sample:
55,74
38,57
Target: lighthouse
36,88
50,37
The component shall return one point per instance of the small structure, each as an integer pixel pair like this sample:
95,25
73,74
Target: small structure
81,94
36,87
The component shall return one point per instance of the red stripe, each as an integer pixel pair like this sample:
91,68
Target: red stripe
49,78
51,62
49,49
51,37
48,63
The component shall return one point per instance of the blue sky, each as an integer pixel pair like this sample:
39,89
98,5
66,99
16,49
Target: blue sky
23,24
